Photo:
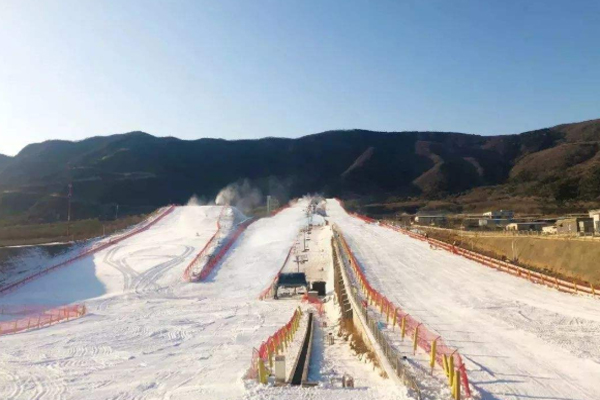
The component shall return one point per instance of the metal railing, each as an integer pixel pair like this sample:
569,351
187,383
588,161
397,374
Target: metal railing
393,356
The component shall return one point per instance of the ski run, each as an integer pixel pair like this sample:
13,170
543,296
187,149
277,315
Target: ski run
150,334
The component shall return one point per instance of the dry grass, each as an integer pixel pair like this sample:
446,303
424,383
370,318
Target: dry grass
62,231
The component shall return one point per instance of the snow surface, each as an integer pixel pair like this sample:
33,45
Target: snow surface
519,340
149,335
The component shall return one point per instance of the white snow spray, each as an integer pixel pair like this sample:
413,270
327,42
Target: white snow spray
241,195
195,201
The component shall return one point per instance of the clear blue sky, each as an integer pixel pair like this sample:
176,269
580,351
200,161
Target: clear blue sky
71,69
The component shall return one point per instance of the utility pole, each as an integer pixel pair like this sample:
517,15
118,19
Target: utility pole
117,212
69,202
69,195
269,205
304,239
298,262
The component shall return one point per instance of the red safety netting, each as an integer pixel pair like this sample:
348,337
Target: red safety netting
532,276
409,325
268,291
37,317
315,301
188,274
88,251
215,259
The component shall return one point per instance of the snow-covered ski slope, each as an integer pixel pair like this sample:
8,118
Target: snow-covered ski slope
148,334
519,340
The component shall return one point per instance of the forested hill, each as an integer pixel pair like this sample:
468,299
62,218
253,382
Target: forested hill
140,171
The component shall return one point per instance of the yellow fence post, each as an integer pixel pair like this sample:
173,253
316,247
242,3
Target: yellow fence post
456,385
262,372
403,326
451,369
415,339
445,364
394,319
270,357
433,353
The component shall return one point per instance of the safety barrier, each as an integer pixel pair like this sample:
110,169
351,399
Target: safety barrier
447,358
532,276
315,301
40,317
214,260
86,252
262,358
188,274
373,333
269,290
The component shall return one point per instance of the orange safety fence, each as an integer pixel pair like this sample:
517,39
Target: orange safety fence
532,276
315,301
268,292
188,274
215,259
37,317
86,252
441,354
274,345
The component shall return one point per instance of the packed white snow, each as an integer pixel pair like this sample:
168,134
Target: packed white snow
148,334
519,340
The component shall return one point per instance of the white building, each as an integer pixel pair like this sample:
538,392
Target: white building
499,214
526,226
595,216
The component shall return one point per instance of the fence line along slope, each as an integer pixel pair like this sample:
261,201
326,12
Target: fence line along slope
518,339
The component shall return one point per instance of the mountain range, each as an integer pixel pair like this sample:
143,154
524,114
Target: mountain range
137,171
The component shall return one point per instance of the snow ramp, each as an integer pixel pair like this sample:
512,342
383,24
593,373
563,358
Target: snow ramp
175,340
518,339
145,261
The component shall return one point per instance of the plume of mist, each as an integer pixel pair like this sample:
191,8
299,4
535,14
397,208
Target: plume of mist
196,201
241,195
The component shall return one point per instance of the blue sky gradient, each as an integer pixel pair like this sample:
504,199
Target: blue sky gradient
71,69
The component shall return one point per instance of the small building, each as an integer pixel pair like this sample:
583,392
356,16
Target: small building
575,225
494,222
595,216
404,219
430,219
499,214
526,226
469,223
